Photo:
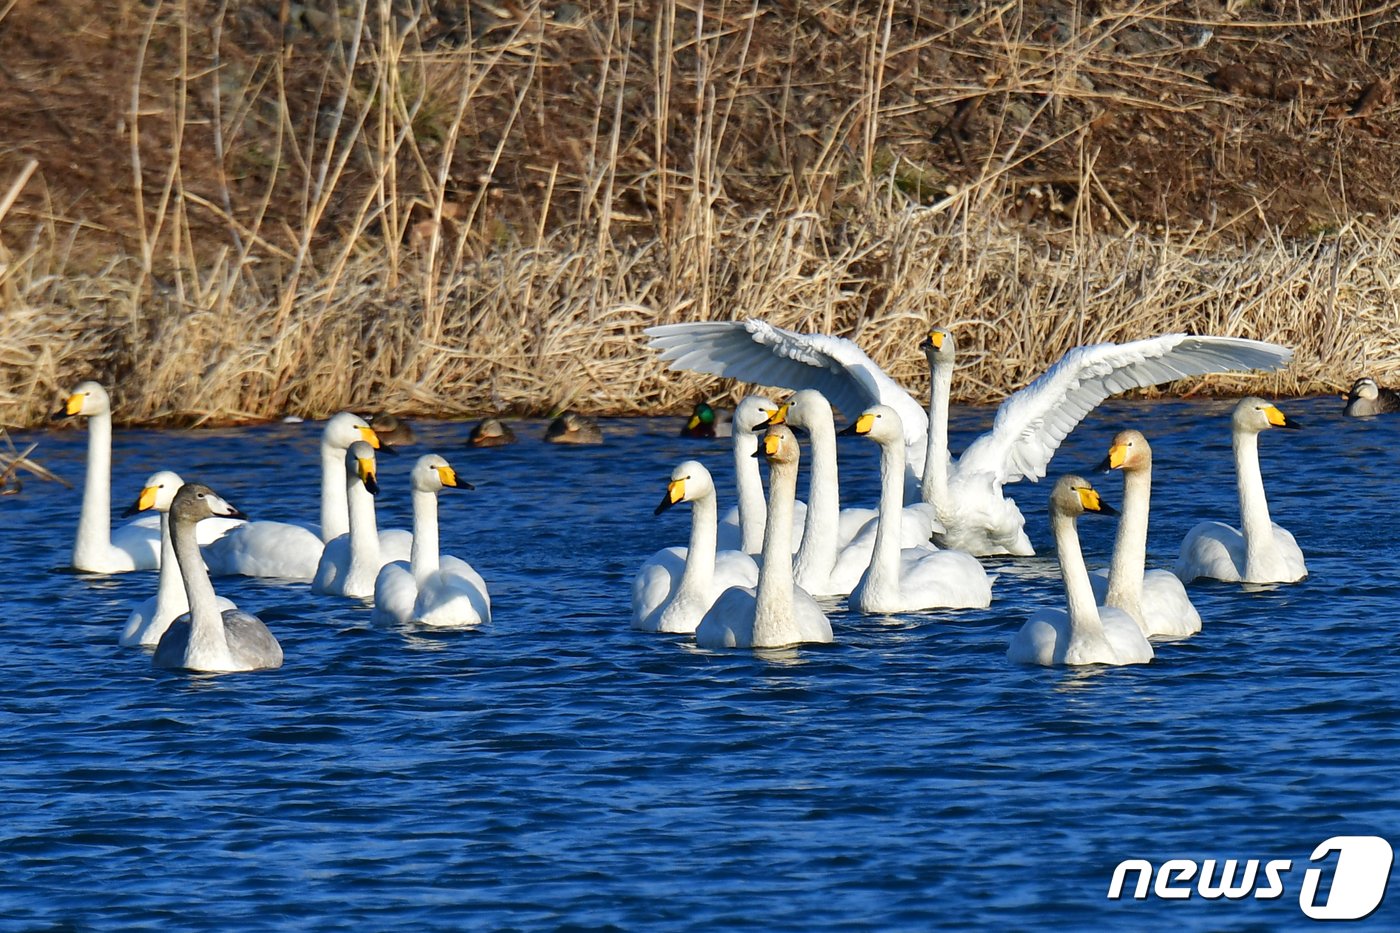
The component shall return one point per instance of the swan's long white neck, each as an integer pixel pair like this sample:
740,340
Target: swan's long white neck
171,601
94,539
1130,547
1084,621
699,574
773,622
335,518
208,645
1259,544
934,486
423,559
882,579
752,511
816,556
364,531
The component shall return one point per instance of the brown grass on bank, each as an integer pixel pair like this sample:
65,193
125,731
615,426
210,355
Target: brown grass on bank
445,209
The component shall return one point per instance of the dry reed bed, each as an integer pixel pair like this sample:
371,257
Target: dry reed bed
532,330
378,209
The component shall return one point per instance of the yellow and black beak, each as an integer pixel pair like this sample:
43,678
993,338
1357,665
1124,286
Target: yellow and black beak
1092,502
934,341
369,437
675,492
144,502
1278,419
365,468
779,415
1117,455
861,426
72,406
448,476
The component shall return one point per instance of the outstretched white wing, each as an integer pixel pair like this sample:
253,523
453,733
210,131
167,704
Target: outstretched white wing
1032,422
758,352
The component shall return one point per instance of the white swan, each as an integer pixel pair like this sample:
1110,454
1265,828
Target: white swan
350,563
911,578
676,585
1028,428
836,542
207,639
1154,598
1262,552
778,613
285,550
98,547
1087,633
741,528
428,588
149,620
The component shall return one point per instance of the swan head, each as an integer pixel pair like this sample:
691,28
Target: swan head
360,465
779,446
491,432
87,399
1075,495
939,347
432,473
1129,451
157,493
1253,414
194,502
880,423
689,481
806,408
1365,387
753,413
346,429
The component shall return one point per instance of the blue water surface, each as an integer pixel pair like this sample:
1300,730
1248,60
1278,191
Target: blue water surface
555,769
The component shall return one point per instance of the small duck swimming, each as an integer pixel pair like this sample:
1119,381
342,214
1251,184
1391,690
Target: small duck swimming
1368,398
491,432
390,429
705,421
573,428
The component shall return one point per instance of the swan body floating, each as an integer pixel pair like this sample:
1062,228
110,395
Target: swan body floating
98,548
1367,398
837,543
778,613
208,639
350,563
676,586
1260,551
285,550
429,588
1154,598
909,578
741,528
149,620
1085,633
1029,425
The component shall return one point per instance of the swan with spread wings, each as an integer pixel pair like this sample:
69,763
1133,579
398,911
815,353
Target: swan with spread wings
1029,425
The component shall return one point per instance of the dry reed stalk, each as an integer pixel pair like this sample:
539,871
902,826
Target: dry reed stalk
717,178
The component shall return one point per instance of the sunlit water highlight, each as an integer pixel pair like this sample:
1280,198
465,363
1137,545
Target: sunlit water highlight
556,768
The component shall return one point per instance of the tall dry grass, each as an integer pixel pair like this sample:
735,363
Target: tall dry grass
404,282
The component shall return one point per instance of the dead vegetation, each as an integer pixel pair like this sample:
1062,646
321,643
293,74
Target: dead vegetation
245,209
